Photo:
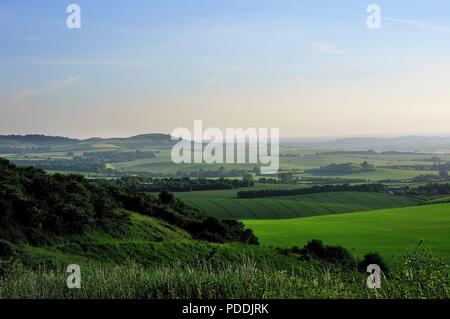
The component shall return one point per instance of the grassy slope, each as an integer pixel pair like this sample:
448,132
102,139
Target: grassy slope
154,260
298,206
389,232
149,242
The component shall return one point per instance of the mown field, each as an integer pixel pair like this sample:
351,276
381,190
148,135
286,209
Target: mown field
296,206
389,232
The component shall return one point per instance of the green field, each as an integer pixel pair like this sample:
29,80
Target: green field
380,174
389,232
153,259
163,164
295,160
297,206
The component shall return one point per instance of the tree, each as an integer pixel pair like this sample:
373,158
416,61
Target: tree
286,178
248,180
436,161
222,171
166,198
443,174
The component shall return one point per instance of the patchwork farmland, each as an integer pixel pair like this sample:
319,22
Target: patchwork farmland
298,206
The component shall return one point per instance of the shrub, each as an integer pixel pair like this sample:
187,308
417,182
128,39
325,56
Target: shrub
333,254
166,198
316,249
373,259
37,206
6,249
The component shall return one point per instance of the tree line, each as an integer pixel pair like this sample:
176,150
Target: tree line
312,190
430,189
185,184
221,172
116,156
23,150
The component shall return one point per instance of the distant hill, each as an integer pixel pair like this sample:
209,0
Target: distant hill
402,143
138,141
342,169
12,143
16,143
35,140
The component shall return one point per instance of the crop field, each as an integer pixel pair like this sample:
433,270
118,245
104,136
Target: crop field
380,174
298,206
163,164
294,160
389,232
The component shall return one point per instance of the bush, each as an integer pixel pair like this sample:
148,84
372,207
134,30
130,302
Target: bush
38,206
340,255
316,249
166,198
332,254
6,249
373,259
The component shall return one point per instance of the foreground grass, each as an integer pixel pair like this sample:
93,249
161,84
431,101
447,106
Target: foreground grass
420,276
388,232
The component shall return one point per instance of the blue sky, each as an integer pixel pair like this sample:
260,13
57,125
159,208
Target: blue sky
310,68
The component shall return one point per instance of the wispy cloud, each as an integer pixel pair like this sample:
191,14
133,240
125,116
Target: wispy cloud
417,24
27,94
327,48
69,81
211,82
420,25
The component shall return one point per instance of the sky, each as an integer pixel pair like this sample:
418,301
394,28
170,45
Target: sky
310,68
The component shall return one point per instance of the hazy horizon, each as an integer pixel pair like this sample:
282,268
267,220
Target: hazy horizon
282,138
310,68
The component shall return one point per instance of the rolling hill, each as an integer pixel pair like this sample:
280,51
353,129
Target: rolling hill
147,241
56,143
298,206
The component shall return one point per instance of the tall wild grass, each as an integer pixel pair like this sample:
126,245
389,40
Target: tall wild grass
419,276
